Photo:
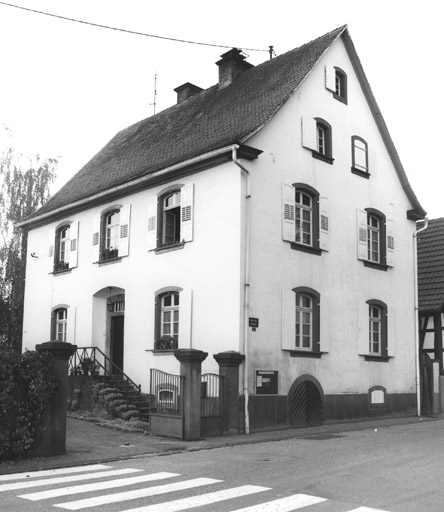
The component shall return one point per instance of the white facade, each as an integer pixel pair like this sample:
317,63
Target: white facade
211,269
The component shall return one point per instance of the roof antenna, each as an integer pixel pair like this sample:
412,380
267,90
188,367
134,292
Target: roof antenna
155,93
271,51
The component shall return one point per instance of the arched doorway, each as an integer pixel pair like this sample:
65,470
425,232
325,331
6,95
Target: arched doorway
305,402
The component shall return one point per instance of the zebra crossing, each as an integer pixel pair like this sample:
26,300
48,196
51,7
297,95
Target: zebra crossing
55,489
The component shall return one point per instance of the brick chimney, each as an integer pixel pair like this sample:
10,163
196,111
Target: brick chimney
231,65
185,91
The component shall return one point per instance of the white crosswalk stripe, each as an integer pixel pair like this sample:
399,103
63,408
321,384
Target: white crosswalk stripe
139,493
201,500
52,472
66,479
117,478
97,486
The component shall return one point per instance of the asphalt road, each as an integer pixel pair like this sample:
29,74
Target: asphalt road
395,469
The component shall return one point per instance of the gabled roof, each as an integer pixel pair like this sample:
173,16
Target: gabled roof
431,267
210,120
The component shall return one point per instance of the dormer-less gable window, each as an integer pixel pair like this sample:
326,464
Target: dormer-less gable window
360,157
336,82
63,247
170,217
110,238
317,136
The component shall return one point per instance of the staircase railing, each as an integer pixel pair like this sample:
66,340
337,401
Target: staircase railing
92,361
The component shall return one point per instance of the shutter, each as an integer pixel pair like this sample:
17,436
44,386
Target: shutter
71,325
363,328
391,331
361,223
288,318
51,242
288,213
125,214
152,223
323,223
330,78
185,318
324,323
390,247
309,133
73,244
96,238
186,213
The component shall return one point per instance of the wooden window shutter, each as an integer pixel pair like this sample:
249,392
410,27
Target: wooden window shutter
125,214
330,78
391,331
185,317
96,238
390,247
186,213
288,319
288,213
363,327
152,223
71,325
324,242
73,244
51,242
361,225
309,133
324,323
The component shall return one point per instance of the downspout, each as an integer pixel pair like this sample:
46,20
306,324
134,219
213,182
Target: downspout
415,260
246,284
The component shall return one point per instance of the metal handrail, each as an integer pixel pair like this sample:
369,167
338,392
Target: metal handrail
84,361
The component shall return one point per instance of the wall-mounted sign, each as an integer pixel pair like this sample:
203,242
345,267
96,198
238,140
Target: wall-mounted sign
254,323
266,382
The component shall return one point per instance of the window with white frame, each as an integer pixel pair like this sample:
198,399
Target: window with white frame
111,234
305,218
63,247
336,82
376,243
169,315
374,326
360,157
304,321
60,324
317,136
170,217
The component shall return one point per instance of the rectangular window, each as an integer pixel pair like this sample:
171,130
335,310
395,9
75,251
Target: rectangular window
304,218
375,325
373,239
304,322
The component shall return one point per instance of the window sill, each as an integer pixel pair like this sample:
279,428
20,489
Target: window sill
306,353
361,173
324,158
168,248
101,263
342,99
305,248
377,266
166,352
376,359
61,272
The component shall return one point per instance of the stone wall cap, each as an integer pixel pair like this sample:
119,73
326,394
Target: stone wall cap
229,358
190,355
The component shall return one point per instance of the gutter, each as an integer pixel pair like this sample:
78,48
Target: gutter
415,270
246,284
121,188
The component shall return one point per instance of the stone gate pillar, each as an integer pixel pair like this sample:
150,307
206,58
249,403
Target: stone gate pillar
190,368
52,439
229,363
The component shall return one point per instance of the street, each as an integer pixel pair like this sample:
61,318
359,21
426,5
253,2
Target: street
394,469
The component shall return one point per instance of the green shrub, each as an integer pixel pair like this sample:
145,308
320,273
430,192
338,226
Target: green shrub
28,385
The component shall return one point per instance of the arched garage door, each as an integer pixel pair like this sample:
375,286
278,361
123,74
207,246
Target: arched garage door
305,402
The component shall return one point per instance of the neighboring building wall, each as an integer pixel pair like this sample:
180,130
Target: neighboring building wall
207,269
341,279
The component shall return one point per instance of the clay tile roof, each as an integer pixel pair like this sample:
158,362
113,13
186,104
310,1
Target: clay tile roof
207,121
431,267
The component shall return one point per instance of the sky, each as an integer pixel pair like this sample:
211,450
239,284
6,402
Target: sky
67,88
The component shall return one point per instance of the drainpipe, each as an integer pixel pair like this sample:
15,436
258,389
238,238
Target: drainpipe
247,283
415,260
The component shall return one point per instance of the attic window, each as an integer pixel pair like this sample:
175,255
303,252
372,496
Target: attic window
336,82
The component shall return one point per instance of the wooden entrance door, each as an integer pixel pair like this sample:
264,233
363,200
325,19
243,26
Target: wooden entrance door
305,406
117,340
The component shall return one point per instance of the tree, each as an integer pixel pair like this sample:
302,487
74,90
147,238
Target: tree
24,186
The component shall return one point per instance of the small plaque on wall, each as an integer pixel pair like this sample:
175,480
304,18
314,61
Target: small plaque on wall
266,382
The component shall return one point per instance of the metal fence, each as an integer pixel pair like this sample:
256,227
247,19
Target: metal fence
211,395
167,390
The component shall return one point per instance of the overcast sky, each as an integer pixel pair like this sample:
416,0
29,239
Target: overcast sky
66,88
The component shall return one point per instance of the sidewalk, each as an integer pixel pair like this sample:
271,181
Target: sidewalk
88,442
